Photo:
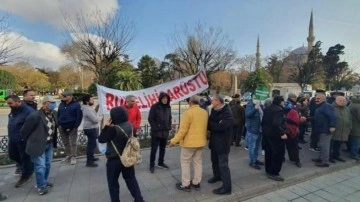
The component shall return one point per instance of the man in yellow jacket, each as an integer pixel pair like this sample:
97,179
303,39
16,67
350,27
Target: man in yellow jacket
192,139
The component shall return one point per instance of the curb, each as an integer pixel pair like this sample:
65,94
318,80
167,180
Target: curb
267,188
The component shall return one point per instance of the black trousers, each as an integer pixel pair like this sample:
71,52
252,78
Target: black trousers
237,133
335,146
314,138
220,166
155,143
92,135
302,129
292,149
113,169
17,154
274,154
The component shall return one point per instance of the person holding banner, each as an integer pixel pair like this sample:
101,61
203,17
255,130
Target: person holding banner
160,123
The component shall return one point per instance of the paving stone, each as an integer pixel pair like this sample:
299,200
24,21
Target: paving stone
314,198
300,200
288,194
326,195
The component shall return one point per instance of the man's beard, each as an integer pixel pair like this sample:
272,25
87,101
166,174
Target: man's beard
14,110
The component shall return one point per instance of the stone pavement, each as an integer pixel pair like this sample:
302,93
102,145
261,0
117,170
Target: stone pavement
343,185
80,184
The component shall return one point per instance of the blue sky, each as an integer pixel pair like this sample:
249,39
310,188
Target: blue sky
280,23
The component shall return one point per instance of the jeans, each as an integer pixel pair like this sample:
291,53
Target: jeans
92,135
324,145
42,165
17,154
113,169
155,143
355,145
274,154
253,142
220,166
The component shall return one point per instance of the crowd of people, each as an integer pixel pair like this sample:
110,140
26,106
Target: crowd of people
273,126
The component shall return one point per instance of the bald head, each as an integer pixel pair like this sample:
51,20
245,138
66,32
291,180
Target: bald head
340,100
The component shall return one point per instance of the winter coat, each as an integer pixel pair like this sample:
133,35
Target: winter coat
343,123
220,126
238,114
292,123
193,128
69,115
274,122
252,118
160,118
16,121
134,115
36,132
324,118
354,108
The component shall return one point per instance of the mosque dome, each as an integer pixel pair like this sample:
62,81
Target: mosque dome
299,51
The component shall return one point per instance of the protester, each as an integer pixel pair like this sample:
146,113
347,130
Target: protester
342,128
29,98
239,122
314,139
160,123
40,131
109,135
292,125
253,114
69,118
192,138
324,126
133,111
16,147
220,126
274,133
354,138
91,129
235,99
303,110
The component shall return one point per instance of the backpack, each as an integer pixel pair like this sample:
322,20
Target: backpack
131,155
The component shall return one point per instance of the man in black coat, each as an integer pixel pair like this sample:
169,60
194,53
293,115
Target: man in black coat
40,131
220,126
160,123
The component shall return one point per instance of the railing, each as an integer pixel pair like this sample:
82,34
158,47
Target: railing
82,139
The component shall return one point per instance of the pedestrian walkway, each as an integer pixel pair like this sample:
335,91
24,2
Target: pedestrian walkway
81,184
343,185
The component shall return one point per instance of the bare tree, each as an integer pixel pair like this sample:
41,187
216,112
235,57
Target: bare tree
207,48
97,44
276,64
8,42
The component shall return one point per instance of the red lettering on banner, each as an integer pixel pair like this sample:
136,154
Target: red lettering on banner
196,81
171,95
203,78
142,104
184,88
177,92
152,99
191,86
109,100
148,103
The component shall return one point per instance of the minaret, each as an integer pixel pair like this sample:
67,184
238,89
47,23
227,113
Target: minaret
311,37
257,63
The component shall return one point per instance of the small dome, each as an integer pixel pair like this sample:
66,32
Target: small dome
300,51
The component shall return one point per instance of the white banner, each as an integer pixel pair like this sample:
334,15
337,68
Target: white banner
178,90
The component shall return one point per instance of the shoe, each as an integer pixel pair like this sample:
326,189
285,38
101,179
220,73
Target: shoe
332,161
152,169
317,149
298,164
42,191
322,165
263,152
91,165
340,159
163,166
300,148
314,150
275,177
67,159
22,181
316,160
214,179
3,197
49,185
73,161
355,158
195,186
246,148
221,191
254,165
302,142
95,159
179,186
18,171
259,163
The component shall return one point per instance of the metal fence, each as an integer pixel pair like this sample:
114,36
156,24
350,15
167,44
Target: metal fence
82,139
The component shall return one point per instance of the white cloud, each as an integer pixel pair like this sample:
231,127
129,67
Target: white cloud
38,54
52,11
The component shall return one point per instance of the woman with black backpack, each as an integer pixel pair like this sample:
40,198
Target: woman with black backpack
114,167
